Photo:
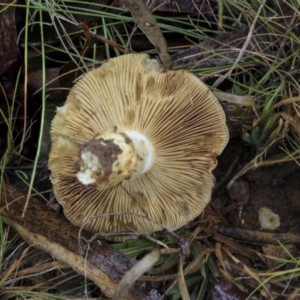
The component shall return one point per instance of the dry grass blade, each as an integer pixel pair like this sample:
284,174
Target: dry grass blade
225,266
40,268
246,43
240,100
247,271
182,285
13,267
192,267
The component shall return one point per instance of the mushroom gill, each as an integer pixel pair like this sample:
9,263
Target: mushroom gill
134,147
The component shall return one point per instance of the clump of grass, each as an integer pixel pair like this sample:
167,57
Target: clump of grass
274,84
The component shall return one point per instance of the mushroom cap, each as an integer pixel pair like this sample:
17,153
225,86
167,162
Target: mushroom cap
184,123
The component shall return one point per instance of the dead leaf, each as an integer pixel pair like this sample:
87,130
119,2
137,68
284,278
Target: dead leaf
147,23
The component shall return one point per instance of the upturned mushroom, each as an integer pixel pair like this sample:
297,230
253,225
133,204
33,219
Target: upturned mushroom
133,147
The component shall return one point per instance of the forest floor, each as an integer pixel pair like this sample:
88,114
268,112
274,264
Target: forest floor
248,53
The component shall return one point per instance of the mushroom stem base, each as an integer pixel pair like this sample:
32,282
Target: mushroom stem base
113,157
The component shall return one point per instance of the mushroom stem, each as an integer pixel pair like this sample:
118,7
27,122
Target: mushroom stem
112,157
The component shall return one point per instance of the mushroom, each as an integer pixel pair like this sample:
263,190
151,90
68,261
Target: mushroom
133,147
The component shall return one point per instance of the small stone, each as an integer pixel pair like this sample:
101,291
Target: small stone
268,219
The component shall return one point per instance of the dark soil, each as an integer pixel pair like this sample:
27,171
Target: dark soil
258,189
276,187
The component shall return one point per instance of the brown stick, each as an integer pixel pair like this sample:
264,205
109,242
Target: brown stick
258,236
50,231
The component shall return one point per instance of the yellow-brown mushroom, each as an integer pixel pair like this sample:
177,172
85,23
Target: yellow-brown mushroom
133,140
